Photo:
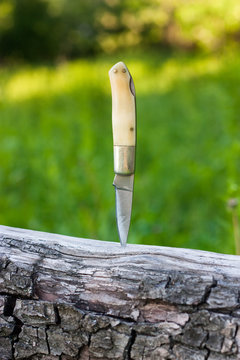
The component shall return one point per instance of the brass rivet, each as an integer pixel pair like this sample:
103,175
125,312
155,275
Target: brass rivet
115,70
123,70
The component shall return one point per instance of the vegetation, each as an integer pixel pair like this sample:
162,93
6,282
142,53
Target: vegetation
56,148
52,29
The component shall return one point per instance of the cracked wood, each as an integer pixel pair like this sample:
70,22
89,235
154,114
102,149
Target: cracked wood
67,298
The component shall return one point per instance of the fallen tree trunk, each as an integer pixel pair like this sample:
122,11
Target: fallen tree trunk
68,298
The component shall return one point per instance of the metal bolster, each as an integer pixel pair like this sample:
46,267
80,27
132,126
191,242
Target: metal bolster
124,160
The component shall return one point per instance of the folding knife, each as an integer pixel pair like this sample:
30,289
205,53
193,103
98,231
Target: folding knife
124,141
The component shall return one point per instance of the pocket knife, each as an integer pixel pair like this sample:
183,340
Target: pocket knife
124,141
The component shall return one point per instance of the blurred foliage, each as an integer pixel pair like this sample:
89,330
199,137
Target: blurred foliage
56,29
47,29
56,149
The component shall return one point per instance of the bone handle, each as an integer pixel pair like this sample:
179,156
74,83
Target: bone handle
123,106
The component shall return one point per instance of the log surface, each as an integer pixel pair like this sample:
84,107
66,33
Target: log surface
64,298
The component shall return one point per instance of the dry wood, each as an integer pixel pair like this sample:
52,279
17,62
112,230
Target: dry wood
69,298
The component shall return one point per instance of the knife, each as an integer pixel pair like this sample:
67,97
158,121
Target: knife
124,141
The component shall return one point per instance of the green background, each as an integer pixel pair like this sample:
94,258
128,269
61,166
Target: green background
56,158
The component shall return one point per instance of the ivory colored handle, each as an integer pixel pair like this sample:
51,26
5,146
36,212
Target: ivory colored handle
123,106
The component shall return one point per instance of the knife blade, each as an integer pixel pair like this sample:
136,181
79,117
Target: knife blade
124,141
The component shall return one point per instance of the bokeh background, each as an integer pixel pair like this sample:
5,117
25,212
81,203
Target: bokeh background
56,161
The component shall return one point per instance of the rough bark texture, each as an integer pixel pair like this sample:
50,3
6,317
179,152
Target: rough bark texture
67,298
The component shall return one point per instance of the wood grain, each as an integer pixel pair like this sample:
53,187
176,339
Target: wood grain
71,298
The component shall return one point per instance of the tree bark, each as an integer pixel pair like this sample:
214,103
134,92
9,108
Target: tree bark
70,298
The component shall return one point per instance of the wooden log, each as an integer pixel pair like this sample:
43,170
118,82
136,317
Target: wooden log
70,298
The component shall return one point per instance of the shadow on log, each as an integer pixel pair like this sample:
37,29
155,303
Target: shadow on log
64,298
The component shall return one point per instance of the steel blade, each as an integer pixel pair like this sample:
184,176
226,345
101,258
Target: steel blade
124,194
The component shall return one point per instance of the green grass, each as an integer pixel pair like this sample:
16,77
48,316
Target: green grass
56,149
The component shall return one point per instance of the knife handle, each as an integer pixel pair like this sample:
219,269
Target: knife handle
123,119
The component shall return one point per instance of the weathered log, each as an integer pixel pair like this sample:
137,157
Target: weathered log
68,298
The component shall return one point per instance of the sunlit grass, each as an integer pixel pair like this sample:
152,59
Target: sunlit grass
31,82
56,149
